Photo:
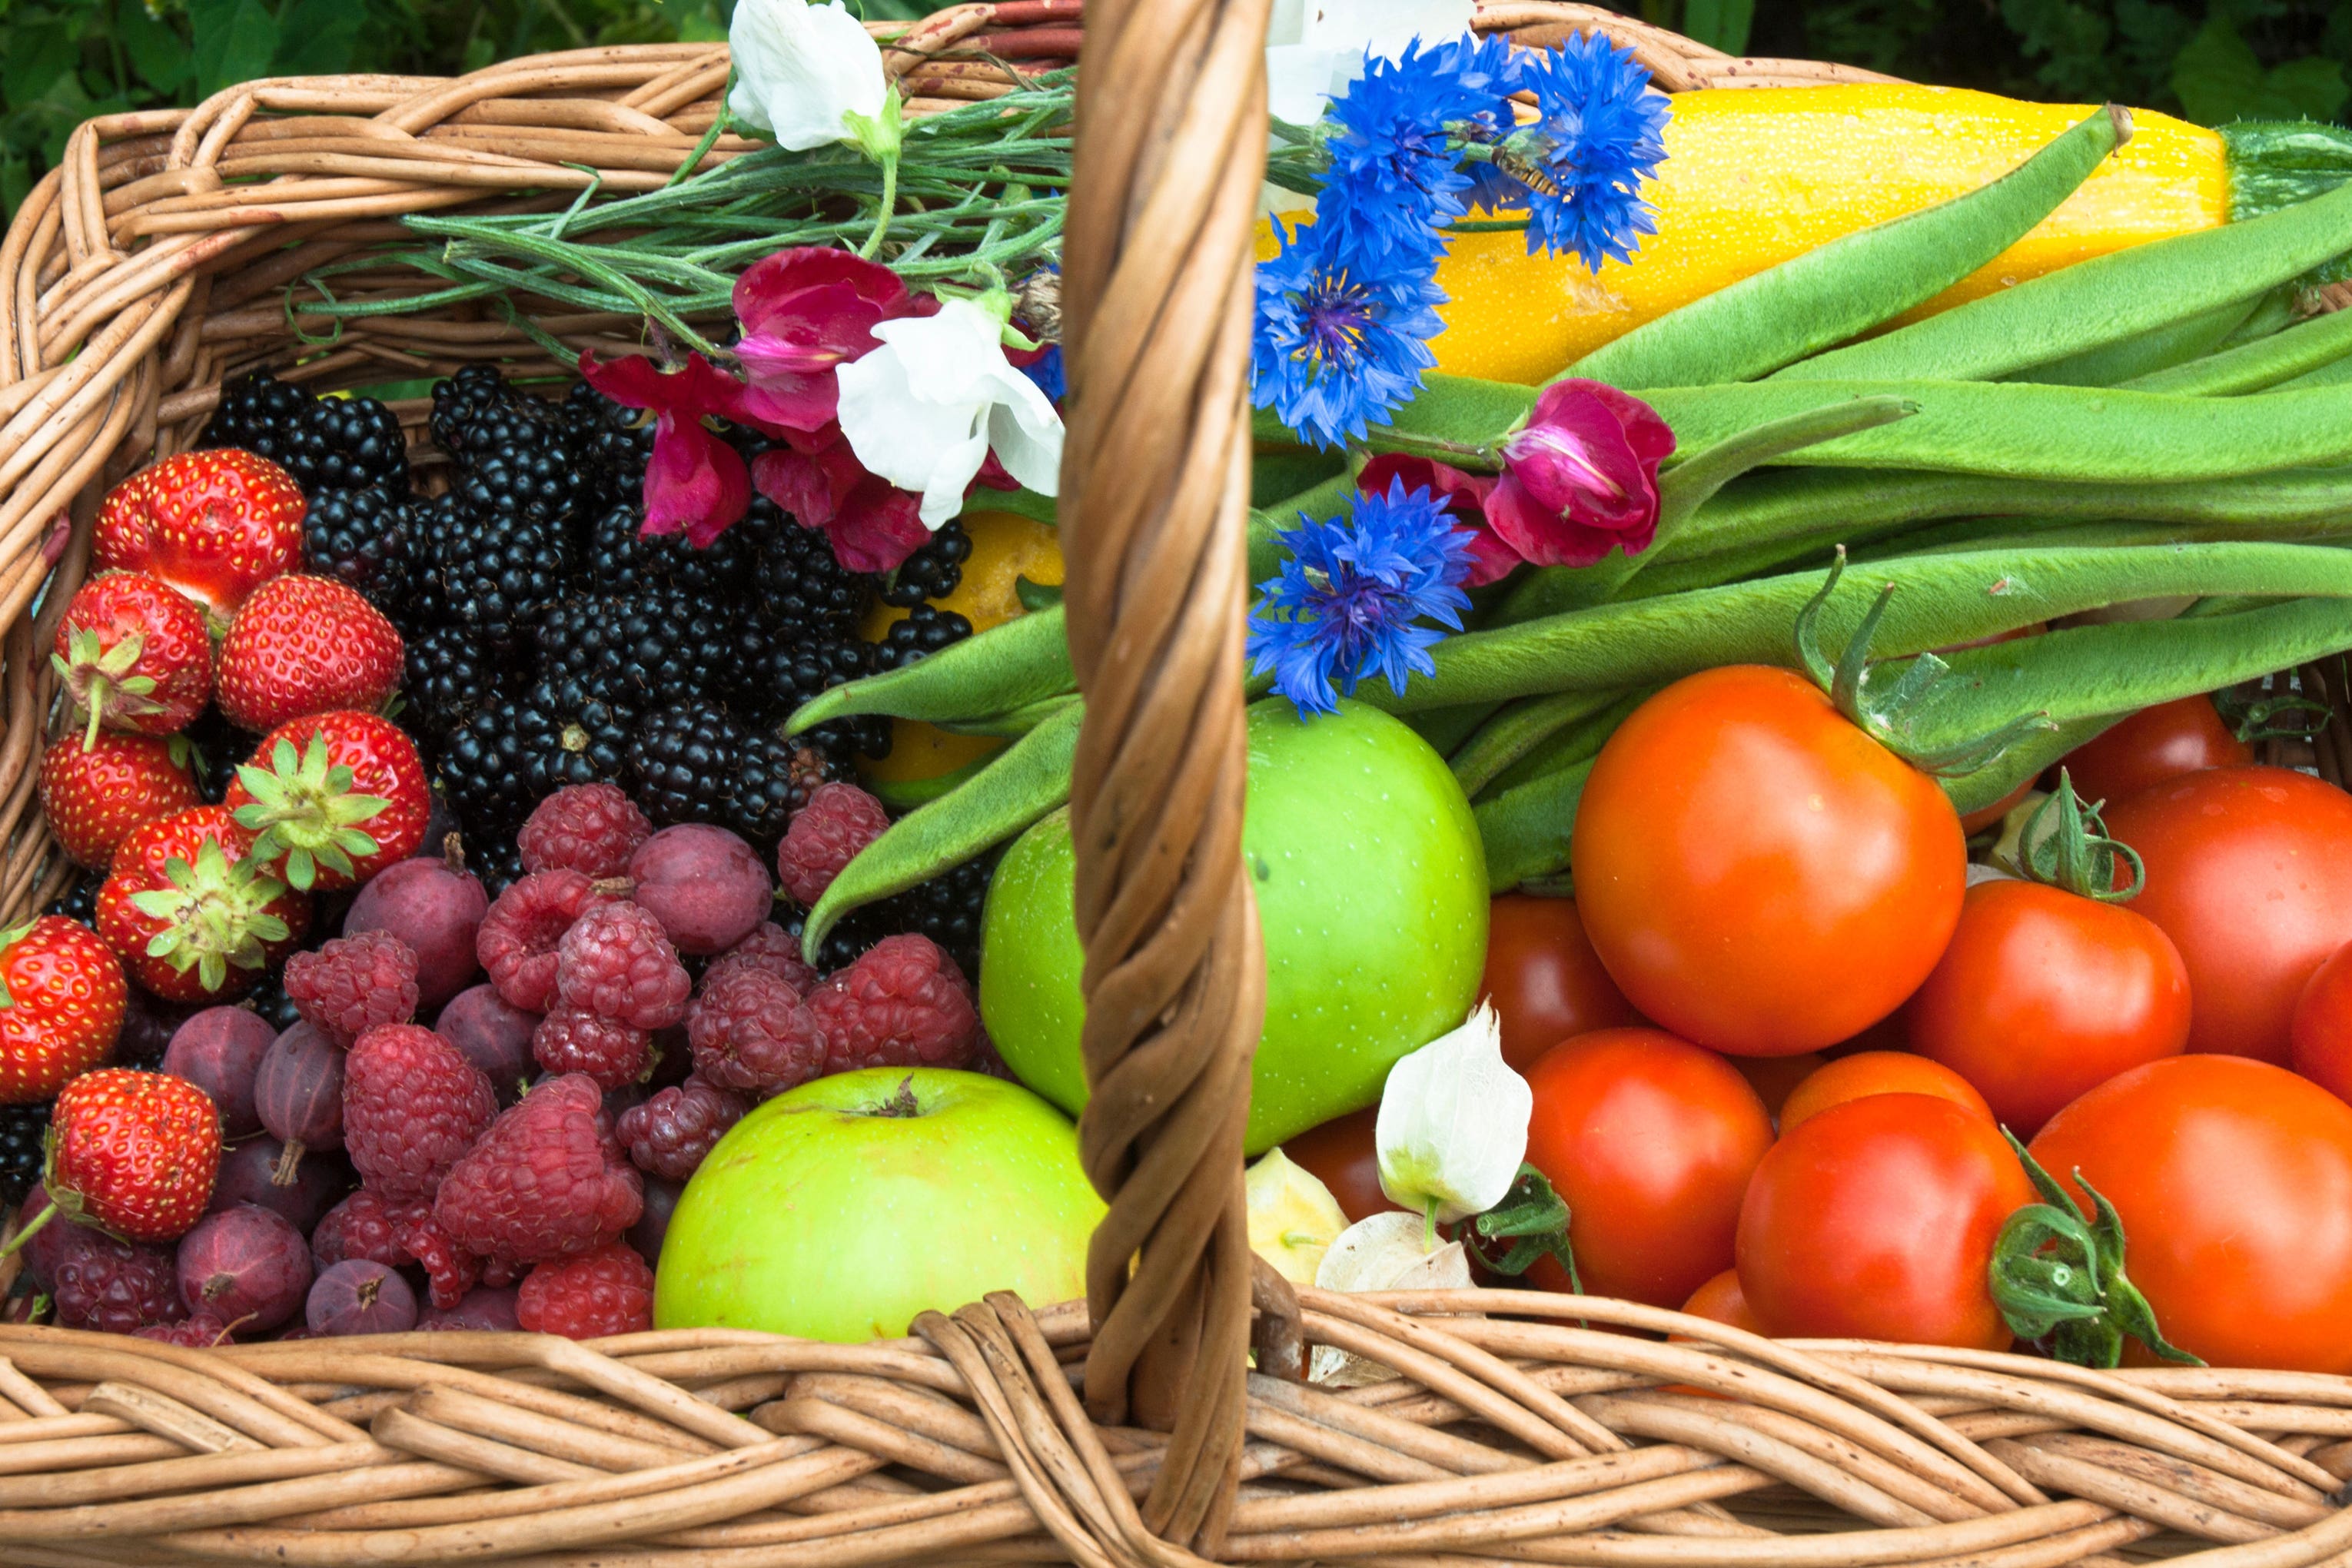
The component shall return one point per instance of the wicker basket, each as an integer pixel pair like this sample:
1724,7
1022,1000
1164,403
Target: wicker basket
1128,1429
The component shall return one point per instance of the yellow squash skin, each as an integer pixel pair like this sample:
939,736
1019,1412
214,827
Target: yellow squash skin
1756,176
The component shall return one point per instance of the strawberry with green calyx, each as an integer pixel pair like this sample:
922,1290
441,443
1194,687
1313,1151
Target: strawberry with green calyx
133,655
2058,1274
332,799
214,525
131,1153
92,797
190,914
61,1003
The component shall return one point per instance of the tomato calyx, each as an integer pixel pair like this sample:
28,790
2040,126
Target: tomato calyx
2058,1275
1888,716
2272,715
2066,846
1533,1219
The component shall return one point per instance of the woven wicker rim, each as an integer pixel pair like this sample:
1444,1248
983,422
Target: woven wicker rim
1123,1431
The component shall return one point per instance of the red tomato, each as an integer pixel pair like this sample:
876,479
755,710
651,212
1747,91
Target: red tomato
1877,1073
2250,874
1875,1220
2153,745
1721,1300
1544,978
1759,875
1340,1156
1651,1141
2044,995
2234,1182
2323,1027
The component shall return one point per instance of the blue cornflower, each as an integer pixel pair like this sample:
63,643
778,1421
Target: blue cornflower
1045,369
1598,138
1342,335
1395,176
1347,605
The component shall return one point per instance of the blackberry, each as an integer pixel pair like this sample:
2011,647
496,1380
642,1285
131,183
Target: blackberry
621,556
773,779
434,530
638,648
449,675
270,999
215,747
23,1129
947,909
925,631
495,859
803,592
932,571
683,762
324,443
788,675
462,400
611,443
511,753
362,536
517,466
500,572
79,902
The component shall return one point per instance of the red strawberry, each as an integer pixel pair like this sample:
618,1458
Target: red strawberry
61,1000
191,917
94,795
133,1154
135,655
302,646
335,798
216,525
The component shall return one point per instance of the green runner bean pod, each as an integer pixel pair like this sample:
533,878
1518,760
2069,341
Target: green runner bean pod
2101,301
1843,289
2255,367
2158,349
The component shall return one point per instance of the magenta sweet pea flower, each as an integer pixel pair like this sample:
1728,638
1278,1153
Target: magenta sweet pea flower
696,483
805,311
872,523
1581,478
1464,499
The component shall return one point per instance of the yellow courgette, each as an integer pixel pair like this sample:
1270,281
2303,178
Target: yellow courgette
1756,176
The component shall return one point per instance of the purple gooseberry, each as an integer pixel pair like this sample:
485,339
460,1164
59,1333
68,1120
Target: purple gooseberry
299,1093
247,1266
357,1297
219,1050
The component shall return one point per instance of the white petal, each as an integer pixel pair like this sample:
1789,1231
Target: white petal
950,356
800,69
1299,82
1027,433
1452,1123
918,443
1293,1217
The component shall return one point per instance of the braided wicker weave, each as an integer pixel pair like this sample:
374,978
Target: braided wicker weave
1128,1430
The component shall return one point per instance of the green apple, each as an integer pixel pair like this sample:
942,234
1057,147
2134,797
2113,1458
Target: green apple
1372,891
842,1209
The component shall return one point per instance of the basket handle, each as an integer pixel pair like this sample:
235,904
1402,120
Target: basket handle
1157,303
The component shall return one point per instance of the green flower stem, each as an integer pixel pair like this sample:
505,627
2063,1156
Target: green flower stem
885,207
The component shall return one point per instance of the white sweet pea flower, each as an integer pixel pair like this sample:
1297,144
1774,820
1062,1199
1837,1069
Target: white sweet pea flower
1293,1217
1316,47
926,407
1452,1127
1384,1252
806,74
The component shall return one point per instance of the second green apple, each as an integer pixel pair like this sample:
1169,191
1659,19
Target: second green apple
1372,891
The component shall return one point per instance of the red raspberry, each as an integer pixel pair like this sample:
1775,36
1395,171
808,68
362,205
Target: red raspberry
114,1287
547,1182
618,962
750,1031
411,1106
904,1004
607,1291
202,1332
672,1134
839,820
449,1269
589,828
364,1225
771,948
613,1054
518,935
352,983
